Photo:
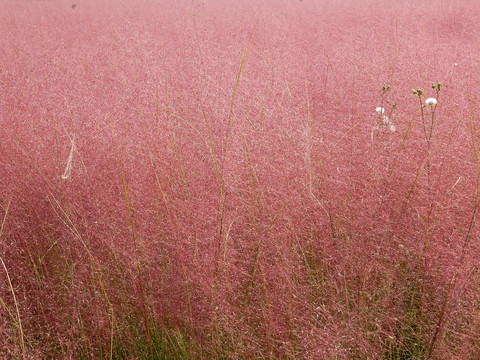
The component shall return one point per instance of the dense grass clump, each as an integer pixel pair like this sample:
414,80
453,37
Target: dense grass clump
203,180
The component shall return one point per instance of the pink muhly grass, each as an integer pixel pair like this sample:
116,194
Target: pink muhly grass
215,202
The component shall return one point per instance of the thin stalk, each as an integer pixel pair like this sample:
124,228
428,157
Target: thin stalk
135,248
224,151
19,321
95,271
257,253
395,50
475,205
441,319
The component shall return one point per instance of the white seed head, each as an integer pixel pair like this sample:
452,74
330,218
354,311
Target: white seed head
431,101
380,110
383,123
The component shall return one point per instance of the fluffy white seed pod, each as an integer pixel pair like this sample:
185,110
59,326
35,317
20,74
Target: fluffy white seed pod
380,110
431,101
383,123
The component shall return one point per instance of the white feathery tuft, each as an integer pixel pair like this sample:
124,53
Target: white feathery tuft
68,168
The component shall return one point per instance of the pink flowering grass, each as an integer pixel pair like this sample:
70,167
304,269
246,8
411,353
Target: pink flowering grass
219,181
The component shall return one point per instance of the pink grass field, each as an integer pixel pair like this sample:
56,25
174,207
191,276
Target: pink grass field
209,179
